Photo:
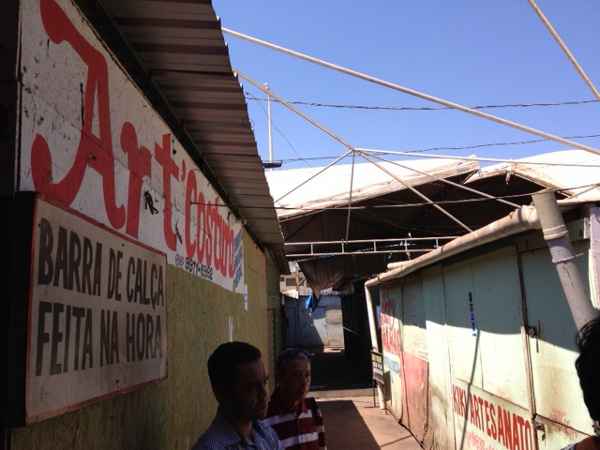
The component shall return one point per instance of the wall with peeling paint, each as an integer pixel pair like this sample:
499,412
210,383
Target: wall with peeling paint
170,414
201,314
479,361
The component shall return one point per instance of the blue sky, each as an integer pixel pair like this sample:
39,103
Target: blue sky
468,51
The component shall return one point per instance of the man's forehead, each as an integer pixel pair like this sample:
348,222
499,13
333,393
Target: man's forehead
299,363
252,370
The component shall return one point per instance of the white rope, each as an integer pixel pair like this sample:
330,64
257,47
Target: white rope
475,158
564,48
412,92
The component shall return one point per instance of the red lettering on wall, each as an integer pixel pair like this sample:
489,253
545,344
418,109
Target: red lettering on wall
93,151
191,195
231,269
162,153
138,162
390,326
201,224
211,241
512,431
208,232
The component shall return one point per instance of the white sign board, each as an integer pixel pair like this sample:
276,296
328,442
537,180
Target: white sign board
91,141
485,422
97,313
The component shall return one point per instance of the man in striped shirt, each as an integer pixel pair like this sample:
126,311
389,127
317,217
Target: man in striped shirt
295,418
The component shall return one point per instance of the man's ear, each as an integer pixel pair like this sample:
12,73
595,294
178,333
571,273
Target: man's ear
220,392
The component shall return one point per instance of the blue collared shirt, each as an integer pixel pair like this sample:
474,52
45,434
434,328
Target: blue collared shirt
221,436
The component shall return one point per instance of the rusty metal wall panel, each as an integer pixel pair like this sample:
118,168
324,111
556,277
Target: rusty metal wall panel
440,387
405,354
413,318
390,313
553,352
553,436
414,368
415,377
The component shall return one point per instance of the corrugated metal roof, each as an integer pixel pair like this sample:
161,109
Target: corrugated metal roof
574,181
331,188
181,47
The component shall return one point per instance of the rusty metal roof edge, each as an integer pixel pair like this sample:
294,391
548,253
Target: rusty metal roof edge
112,37
523,219
518,221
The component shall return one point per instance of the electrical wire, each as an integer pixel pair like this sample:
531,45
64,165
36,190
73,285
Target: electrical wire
415,93
463,147
406,205
427,108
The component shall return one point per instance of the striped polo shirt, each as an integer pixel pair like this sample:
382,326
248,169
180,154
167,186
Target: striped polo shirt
297,430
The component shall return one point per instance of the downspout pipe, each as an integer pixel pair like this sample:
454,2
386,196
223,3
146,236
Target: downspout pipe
556,236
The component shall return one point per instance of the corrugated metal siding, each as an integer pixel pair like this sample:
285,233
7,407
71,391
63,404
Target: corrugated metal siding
405,359
477,348
391,335
440,377
557,393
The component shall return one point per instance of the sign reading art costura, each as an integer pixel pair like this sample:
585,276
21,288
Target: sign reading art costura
97,313
92,142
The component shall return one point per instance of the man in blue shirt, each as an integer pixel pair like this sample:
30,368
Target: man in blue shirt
239,382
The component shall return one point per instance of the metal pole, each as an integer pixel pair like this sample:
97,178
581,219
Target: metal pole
269,123
585,77
563,257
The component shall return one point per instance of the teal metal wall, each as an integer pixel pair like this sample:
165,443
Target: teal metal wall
499,342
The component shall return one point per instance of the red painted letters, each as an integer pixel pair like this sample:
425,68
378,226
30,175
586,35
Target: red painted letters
209,241
93,151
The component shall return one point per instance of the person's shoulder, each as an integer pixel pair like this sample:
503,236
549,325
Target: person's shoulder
266,430
212,439
208,441
204,443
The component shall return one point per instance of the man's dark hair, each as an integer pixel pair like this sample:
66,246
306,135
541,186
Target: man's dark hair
288,355
223,363
588,342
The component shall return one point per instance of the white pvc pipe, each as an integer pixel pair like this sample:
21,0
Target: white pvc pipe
565,48
563,256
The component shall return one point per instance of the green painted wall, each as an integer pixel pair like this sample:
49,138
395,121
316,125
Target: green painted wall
170,414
